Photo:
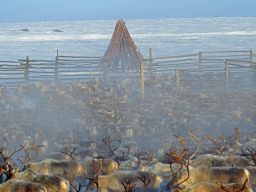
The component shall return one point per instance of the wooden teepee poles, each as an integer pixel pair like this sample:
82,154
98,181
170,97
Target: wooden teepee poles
122,50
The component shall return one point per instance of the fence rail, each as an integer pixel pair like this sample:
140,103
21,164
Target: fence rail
184,68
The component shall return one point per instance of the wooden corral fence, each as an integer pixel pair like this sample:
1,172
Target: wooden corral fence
195,71
209,70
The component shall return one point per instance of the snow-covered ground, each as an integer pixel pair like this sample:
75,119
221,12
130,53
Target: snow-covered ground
166,37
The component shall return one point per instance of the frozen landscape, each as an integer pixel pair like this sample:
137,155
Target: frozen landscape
190,131
167,37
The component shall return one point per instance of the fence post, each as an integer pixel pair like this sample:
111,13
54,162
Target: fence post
200,55
56,66
150,62
251,58
142,79
104,71
26,71
177,74
226,72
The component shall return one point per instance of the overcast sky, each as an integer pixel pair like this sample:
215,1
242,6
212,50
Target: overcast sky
77,10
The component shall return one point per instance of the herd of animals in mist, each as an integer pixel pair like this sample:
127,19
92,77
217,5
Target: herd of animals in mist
103,136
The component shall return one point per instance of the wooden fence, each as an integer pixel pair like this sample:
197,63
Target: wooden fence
209,71
213,69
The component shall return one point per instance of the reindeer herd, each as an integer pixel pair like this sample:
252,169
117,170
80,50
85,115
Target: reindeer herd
104,137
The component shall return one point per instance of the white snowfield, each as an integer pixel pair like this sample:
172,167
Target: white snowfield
166,37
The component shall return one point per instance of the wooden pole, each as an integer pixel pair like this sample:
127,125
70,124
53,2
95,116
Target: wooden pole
251,58
26,71
177,74
56,67
200,55
226,72
104,71
142,80
150,62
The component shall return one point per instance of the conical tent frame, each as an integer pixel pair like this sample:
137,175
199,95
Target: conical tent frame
122,53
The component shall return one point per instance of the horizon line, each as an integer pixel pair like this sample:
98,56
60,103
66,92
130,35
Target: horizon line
46,21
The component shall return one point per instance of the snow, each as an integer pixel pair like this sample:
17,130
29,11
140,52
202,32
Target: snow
166,37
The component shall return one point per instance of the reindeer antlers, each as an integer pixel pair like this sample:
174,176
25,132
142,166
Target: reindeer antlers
73,182
128,187
107,142
96,172
217,146
26,159
233,189
182,158
143,179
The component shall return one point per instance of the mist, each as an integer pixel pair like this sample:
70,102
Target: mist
54,113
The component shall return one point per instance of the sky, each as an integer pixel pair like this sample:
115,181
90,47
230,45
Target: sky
12,11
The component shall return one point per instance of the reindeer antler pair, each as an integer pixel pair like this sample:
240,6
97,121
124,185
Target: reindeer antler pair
181,158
